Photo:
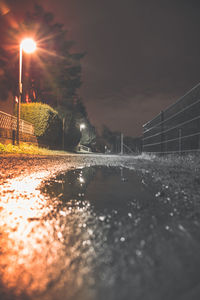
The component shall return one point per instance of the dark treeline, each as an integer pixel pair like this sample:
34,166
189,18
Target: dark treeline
52,75
110,141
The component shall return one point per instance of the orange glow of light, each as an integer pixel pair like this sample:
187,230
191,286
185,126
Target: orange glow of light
34,236
4,9
28,45
43,66
26,236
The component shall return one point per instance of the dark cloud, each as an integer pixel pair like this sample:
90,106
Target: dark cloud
128,110
141,55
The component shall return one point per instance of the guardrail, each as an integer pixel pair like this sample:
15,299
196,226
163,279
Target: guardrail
176,129
10,122
84,148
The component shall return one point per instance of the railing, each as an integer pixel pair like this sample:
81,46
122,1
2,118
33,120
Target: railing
10,122
177,129
84,148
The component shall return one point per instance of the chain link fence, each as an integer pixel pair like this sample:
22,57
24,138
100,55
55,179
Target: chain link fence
176,129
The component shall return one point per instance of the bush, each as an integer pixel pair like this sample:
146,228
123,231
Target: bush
48,126
2,148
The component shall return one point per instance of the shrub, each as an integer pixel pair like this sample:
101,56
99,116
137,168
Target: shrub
48,126
2,148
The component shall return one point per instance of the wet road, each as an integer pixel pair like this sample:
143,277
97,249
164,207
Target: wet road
97,227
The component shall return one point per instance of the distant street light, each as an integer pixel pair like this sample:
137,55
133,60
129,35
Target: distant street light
28,45
82,126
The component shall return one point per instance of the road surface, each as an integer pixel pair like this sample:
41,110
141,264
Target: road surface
95,227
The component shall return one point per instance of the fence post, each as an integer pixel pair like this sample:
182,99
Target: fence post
122,143
63,133
199,141
13,128
161,131
22,126
179,140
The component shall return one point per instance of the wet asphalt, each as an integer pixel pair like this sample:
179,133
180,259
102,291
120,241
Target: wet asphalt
99,227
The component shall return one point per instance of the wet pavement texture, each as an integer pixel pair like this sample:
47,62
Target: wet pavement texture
94,228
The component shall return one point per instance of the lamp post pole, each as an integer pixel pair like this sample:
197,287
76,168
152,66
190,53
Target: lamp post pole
20,94
29,46
63,133
82,126
122,144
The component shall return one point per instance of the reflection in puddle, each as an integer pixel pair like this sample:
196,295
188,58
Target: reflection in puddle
107,189
27,239
93,233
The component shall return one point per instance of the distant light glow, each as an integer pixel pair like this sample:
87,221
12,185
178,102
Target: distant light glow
82,126
81,179
4,10
28,45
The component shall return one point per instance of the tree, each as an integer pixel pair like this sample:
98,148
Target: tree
53,74
112,138
88,134
7,80
72,137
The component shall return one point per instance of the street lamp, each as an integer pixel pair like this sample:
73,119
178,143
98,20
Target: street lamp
82,126
28,45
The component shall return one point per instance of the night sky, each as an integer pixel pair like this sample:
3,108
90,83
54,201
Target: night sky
142,55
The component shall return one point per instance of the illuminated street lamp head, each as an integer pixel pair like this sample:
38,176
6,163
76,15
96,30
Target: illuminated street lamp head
82,126
28,45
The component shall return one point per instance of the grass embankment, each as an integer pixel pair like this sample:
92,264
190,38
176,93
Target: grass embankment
27,149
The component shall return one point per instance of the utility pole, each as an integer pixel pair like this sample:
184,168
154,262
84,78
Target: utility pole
63,133
179,140
122,143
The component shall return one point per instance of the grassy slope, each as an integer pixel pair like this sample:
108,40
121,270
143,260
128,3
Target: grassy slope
27,149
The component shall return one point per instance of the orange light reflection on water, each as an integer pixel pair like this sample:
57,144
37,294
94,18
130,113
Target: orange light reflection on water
31,243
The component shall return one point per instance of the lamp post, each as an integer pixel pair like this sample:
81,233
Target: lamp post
82,126
122,144
28,45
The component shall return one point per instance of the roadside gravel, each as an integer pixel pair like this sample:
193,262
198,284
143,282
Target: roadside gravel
150,252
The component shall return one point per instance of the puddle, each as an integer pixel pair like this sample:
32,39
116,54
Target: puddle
136,245
96,233
106,189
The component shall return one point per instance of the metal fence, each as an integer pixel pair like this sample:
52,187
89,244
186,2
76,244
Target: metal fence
83,148
10,122
176,129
